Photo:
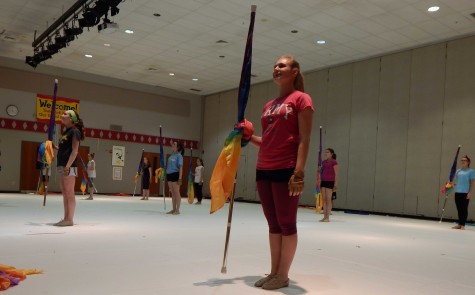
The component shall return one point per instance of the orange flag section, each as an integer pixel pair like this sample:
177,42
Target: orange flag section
14,274
222,179
49,152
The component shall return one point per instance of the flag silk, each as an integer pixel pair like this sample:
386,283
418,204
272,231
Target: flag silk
222,179
84,182
11,276
190,192
448,187
224,172
159,173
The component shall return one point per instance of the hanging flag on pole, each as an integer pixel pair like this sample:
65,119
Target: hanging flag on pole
46,152
190,192
318,192
224,173
222,183
85,176
139,172
448,187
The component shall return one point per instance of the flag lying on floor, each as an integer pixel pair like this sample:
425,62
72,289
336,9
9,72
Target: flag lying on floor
10,276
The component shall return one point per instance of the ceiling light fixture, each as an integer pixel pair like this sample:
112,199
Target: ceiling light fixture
171,74
129,31
321,42
88,55
433,8
70,25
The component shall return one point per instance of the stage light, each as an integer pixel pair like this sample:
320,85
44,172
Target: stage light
114,11
31,61
90,18
91,11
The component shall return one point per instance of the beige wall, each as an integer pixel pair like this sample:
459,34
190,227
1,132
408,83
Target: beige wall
395,122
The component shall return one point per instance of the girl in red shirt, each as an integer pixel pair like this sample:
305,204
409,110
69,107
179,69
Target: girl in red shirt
283,149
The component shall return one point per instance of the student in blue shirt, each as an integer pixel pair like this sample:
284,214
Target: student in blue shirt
174,175
464,181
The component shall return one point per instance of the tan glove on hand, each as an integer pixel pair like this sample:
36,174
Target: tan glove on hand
296,183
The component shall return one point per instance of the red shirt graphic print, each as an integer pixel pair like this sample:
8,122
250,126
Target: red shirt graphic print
280,131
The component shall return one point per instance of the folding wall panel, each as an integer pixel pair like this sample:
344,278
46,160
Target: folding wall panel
362,145
424,135
392,132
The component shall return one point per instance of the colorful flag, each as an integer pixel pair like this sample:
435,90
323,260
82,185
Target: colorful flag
318,193
83,182
225,169
190,192
448,187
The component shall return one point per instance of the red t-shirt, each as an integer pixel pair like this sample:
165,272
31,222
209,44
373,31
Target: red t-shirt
280,131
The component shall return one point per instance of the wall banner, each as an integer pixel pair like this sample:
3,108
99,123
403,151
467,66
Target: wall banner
44,103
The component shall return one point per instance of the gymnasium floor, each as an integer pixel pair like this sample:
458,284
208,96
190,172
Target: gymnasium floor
121,245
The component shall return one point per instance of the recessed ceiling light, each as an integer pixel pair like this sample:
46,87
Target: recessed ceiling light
222,56
88,55
171,74
321,42
156,14
129,31
433,8
294,31
195,79
107,45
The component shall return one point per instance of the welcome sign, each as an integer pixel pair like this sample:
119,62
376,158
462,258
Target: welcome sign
45,102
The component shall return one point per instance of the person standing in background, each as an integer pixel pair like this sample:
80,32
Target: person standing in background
146,179
174,176
198,180
329,182
91,175
464,181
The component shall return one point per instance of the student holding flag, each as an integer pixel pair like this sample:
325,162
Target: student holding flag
464,181
174,176
66,163
283,150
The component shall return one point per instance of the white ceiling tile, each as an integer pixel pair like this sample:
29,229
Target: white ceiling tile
184,37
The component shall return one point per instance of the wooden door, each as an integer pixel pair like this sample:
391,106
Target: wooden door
154,160
29,173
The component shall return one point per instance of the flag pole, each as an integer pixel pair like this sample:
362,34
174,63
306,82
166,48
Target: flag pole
244,86
447,188
51,127
190,189
162,165
139,173
318,193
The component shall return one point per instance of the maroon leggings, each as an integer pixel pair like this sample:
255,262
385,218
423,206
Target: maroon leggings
279,207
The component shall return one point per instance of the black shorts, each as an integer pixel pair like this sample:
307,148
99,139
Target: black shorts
279,175
327,184
90,182
173,177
